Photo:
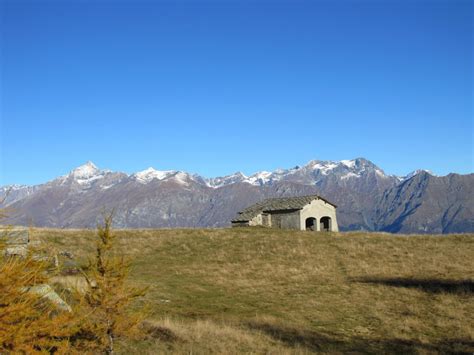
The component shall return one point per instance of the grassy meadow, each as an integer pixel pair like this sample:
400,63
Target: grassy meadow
256,290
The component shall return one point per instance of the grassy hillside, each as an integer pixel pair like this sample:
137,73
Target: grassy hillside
269,291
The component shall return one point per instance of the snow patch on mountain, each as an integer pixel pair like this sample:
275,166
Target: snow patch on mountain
86,171
180,178
350,175
84,175
414,173
380,173
89,180
14,187
151,174
349,163
260,178
323,166
225,180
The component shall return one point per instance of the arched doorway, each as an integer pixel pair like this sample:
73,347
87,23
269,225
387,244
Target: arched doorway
325,224
311,224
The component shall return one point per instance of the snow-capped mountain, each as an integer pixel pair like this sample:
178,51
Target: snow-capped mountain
86,174
150,174
416,172
89,174
367,197
225,180
308,174
12,193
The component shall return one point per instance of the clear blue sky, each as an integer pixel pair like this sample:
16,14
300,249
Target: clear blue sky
218,86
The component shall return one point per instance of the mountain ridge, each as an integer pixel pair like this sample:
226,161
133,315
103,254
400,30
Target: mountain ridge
89,170
367,197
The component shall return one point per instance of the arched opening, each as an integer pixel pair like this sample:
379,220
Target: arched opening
325,224
311,224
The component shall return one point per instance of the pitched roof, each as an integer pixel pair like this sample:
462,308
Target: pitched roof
277,204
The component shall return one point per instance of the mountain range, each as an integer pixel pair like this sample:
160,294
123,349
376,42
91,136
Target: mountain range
367,197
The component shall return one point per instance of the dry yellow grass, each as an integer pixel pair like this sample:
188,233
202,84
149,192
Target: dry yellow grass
269,291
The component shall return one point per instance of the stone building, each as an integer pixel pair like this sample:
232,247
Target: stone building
312,213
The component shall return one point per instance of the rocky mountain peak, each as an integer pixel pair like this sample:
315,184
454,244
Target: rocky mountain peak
225,180
83,176
151,174
417,172
85,171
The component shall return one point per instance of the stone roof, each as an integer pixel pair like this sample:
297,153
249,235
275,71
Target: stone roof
277,204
